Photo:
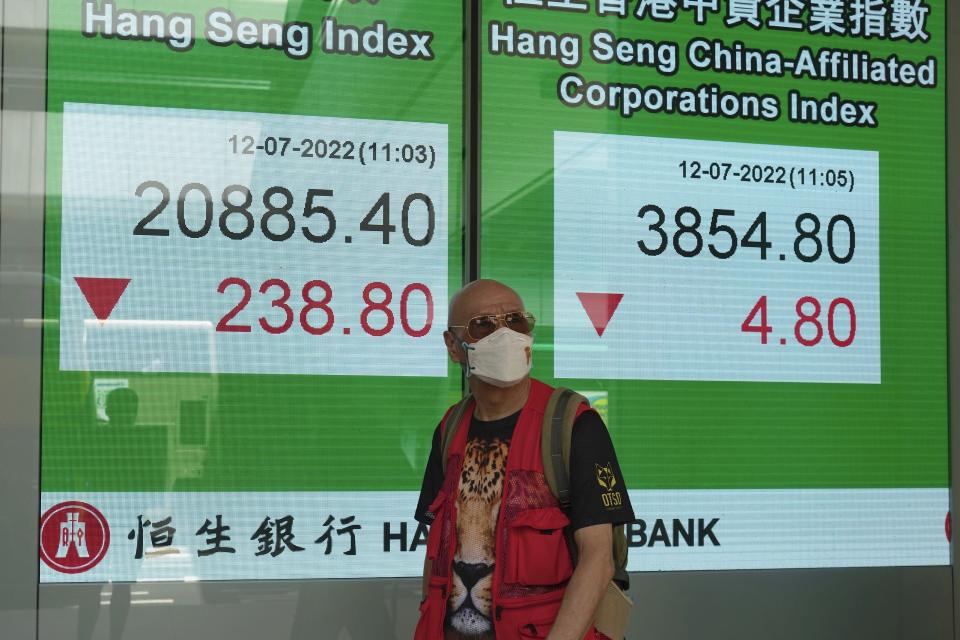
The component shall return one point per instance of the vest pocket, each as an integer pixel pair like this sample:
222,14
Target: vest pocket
531,617
432,611
533,630
537,551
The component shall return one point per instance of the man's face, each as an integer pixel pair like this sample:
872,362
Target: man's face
482,298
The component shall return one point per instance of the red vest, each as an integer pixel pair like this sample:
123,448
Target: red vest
532,560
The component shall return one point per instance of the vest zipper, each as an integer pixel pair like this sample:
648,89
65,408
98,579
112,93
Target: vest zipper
497,612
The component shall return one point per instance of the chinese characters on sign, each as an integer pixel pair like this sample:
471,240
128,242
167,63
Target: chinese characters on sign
273,536
161,536
885,19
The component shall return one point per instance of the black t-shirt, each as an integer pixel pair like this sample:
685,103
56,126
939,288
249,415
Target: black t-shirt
594,470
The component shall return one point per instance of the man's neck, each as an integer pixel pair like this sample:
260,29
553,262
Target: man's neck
495,402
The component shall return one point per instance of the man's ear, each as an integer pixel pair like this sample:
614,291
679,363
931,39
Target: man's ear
454,350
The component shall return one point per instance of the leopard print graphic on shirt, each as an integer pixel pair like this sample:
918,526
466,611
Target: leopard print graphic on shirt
478,505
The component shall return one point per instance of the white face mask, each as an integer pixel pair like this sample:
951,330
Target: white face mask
499,359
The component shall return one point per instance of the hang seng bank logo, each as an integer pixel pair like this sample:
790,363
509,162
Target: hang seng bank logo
74,537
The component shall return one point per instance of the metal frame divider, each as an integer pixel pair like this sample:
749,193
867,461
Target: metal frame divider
952,79
23,116
471,139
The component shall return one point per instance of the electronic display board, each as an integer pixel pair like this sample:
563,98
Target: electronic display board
730,219
252,229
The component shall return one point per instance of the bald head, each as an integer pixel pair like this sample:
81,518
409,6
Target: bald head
482,297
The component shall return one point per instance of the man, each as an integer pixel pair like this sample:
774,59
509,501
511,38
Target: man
498,565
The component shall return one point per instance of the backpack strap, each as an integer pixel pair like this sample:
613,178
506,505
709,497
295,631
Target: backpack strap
620,550
454,416
555,438
556,433
555,442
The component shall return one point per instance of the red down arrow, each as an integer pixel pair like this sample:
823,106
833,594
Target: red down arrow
600,308
102,294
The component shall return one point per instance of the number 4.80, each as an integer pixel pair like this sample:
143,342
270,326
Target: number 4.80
808,314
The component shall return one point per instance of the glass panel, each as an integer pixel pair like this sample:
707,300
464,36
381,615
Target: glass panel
252,228
729,219
740,451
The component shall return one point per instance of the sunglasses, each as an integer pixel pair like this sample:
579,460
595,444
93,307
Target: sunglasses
480,327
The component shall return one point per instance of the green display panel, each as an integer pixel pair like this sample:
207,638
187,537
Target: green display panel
729,218
252,230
